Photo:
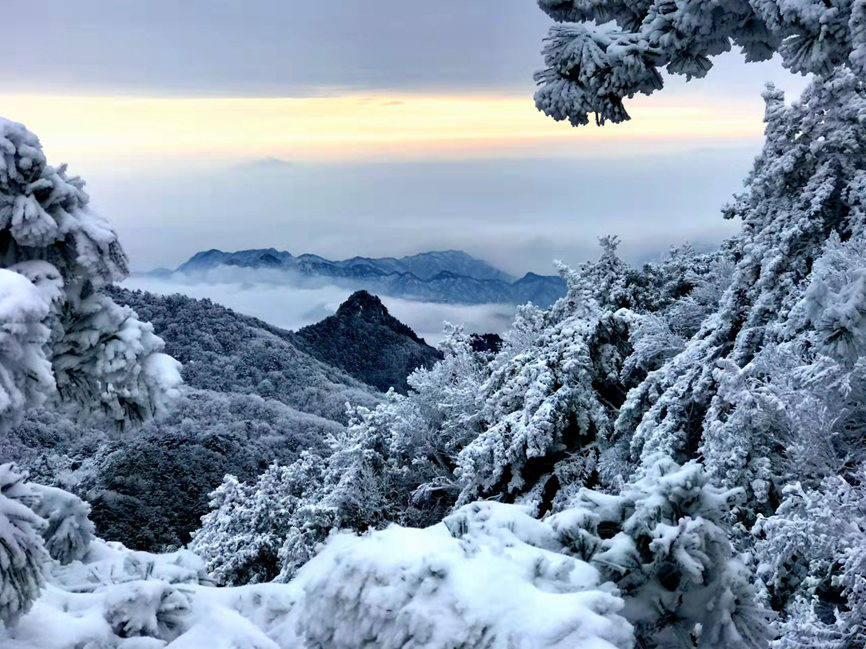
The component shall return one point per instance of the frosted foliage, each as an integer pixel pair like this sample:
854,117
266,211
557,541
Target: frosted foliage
112,597
834,304
241,538
540,402
393,464
25,372
547,409
41,207
61,338
810,557
22,552
795,411
490,576
604,51
447,397
664,543
109,354
806,187
147,608
68,531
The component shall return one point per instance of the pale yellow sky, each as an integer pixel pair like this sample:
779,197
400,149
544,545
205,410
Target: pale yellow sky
88,129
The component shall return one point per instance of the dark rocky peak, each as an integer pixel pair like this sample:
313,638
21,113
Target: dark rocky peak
369,308
366,341
361,301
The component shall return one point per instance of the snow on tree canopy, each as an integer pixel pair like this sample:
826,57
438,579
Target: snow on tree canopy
664,543
548,407
604,51
25,372
807,186
64,340
68,531
22,553
489,576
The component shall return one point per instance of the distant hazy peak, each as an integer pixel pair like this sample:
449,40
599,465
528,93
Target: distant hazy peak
423,265
450,276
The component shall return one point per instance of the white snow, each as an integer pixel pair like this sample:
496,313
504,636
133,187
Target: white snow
489,577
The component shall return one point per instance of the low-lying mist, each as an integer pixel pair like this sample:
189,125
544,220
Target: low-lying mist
292,307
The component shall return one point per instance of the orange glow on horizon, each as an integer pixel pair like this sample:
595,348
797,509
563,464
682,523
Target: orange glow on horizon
343,127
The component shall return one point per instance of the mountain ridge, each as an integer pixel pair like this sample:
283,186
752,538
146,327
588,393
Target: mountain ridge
450,276
364,340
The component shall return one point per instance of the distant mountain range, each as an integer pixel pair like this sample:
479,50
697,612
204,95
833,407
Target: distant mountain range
448,276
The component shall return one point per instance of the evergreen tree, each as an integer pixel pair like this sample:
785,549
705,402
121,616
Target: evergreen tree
68,530
810,558
663,541
806,187
603,51
22,552
64,340
241,538
555,388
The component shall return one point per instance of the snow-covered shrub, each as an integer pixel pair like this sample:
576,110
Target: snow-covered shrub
147,608
663,541
62,339
68,532
116,598
490,576
22,552
242,537
109,563
811,560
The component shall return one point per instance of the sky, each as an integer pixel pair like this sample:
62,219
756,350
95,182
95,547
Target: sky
364,127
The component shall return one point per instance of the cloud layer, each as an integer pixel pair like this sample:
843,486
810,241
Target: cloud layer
518,214
287,48
291,307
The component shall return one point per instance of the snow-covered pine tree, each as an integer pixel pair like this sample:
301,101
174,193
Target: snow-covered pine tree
241,538
603,51
63,339
68,530
547,409
806,187
664,542
811,560
541,413
804,429
22,551
25,372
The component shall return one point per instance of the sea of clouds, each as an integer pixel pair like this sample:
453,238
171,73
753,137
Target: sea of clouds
290,306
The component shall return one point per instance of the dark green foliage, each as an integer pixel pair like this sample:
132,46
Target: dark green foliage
225,351
149,486
367,342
